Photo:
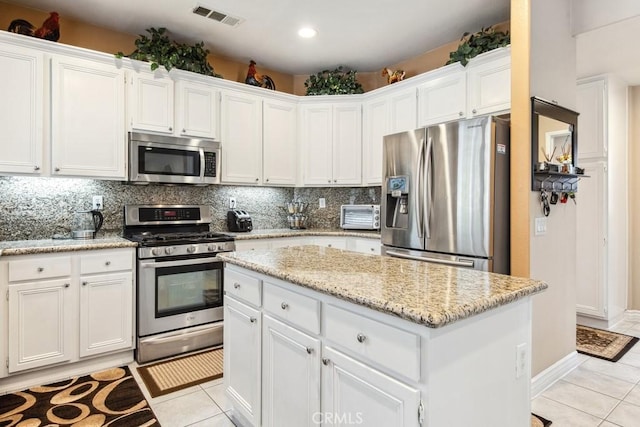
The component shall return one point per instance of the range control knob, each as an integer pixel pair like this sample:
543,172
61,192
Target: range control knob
155,251
168,250
191,249
212,248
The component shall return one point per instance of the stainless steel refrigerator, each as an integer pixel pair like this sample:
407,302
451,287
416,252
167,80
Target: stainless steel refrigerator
445,194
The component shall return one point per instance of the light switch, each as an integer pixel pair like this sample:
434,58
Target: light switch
541,226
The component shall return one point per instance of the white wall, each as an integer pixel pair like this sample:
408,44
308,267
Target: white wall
553,77
588,15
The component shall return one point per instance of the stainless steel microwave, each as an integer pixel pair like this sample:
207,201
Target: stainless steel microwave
173,160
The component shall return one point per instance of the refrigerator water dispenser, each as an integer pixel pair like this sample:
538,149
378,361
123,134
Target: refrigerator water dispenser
397,202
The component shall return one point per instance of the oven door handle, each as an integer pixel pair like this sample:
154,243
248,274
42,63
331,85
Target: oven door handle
178,263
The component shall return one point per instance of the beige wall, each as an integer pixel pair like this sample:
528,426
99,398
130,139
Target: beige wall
634,198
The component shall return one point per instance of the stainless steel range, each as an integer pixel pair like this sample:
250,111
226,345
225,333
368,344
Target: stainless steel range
180,280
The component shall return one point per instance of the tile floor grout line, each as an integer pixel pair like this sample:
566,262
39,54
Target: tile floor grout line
572,407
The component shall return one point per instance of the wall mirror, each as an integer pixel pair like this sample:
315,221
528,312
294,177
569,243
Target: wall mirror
554,141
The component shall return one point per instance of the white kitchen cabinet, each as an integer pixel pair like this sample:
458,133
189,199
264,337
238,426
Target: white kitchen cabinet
279,142
602,267
197,109
242,138
242,361
362,395
364,245
331,136
41,323
21,110
489,83
151,101
252,244
443,97
88,136
336,242
290,376
383,115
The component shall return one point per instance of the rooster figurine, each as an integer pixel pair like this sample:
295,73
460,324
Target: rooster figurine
260,80
50,29
393,76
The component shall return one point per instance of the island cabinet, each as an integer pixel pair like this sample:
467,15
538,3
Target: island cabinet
65,308
321,360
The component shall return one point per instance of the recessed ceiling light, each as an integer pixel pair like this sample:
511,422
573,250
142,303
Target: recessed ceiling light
307,32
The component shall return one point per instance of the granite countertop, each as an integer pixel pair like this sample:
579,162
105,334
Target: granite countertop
30,247
421,292
287,232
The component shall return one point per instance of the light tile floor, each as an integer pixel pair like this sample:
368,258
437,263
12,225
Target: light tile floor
596,393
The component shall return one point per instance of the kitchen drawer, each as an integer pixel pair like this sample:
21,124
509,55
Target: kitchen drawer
242,286
39,268
388,346
106,261
297,309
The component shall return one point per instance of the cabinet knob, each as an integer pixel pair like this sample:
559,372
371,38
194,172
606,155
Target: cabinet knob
329,181
40,269
257,179
325,361
267,180
236,285
108,263
461,114
335,180
84,283
57,169
361,337
252,319
66,285
36,168
284,306
474,111
170,128
184,131
309,350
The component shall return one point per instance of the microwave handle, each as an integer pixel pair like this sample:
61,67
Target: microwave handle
202,165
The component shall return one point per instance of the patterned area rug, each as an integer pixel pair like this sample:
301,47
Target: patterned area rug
603,344
175,374
109,397
538,421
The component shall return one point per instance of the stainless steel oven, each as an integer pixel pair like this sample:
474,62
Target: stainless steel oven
180,280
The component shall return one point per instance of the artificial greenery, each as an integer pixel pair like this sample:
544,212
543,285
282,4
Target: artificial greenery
474,44
159,50
336,82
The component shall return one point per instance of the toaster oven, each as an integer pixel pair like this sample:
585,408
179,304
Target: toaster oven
360,217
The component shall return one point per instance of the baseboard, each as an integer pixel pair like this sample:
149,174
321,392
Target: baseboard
553,373
632,315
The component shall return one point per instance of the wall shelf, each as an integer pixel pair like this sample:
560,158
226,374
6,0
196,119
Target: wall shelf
556,181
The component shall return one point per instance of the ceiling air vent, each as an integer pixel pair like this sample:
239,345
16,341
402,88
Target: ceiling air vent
216,15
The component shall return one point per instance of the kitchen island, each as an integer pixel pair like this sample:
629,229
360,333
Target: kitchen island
320,335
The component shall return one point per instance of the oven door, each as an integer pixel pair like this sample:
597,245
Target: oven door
177,294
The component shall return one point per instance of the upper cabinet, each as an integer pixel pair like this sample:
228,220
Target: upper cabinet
590,99
331,136
279,142
151,101
88,136
489,83
444,97
21,110
197,109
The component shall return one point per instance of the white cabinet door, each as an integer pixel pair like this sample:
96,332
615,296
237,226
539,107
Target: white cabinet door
329,241
361,395
403,108
151,102
42,323
317,134
590,101
242,138
290,376
489,84
376,124
106,313
242,358
88,119
279,142
252,244
21,110
198,110
591,244
363,245
347,144
443,98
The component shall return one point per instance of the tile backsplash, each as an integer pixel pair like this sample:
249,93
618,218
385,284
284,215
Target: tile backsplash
38,208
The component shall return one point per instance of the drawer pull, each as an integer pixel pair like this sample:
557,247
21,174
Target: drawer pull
309,350
325,361
40,269
284,306
252,319
66,285
108,263
361,337
84,283
236,285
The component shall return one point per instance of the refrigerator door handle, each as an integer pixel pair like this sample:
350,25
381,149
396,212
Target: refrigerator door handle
427,202
418,202
467,263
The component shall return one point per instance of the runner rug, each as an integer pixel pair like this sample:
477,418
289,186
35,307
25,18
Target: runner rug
175,374
538,421
603,344
109,397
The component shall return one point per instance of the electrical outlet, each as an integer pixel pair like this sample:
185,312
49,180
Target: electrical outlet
541,226
521,359
232,202
98,203
321,203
